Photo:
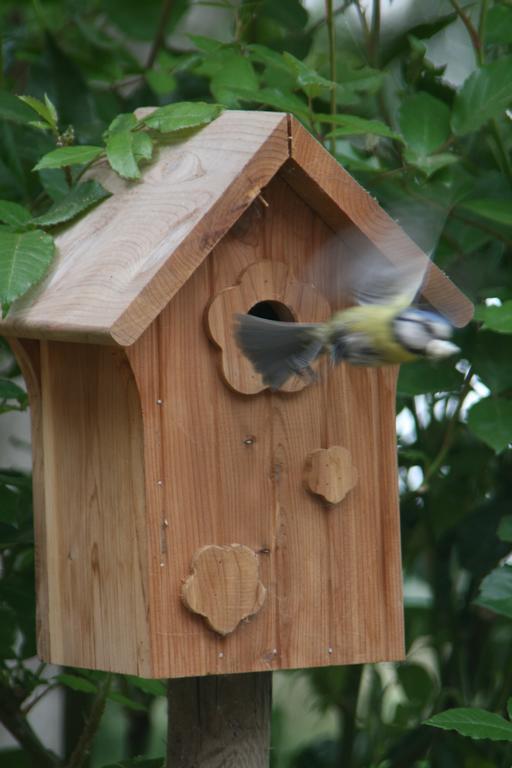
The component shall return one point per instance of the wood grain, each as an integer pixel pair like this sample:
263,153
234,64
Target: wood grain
262,281
319,179
329,473
222,467
118,266
220,722
224,586
93,550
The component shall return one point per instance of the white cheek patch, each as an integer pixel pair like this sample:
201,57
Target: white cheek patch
412,334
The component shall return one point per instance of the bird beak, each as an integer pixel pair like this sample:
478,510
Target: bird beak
439,349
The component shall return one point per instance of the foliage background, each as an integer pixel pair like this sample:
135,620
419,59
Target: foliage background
412,98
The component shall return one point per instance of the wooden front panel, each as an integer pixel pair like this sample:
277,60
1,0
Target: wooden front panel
92,554
225,468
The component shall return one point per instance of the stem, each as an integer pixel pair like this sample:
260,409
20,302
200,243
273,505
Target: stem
159,38
450,430
481,26
83,747
373,42
472,30
19,727
26,709
502,151
69,175
331,32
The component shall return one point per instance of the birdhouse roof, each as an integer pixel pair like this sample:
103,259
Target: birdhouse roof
118,266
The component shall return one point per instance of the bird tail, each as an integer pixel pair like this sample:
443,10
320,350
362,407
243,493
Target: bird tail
278,349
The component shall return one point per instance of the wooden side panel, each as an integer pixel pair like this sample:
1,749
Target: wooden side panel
225,468
27,353
93,549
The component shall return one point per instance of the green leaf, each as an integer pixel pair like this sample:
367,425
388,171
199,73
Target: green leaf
13,214
492,361
236,72
505,528
153,687
496,318
161,82
430,164
491,421
498,25
14,110
485,94
7,631
126,702
422,377
142,146
509,708
76,683
120,154
177,117
26,257
121,123
275,98
496,591
350,125
44,109
10,391
80,199
424,122
473,722
78,155
9,505
205,44
494,210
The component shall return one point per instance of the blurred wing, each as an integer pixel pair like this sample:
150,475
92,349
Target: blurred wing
350,268
373,279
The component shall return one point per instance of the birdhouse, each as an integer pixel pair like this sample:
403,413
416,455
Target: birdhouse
188,520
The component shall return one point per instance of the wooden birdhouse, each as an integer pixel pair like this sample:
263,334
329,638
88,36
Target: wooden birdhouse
189,521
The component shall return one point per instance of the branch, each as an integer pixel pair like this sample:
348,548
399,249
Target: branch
84,744
472,30
19,727
331,30
159,38
450,430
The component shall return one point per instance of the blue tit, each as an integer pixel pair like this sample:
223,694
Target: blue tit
385,329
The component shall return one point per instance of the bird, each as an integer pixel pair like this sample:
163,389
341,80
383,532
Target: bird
386,326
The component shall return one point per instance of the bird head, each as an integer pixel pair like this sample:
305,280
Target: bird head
424,333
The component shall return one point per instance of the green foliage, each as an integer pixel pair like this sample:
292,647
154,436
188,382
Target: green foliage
475,723
425,129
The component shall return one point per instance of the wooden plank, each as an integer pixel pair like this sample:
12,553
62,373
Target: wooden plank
118,266
216,722
93,550
231,470
319,179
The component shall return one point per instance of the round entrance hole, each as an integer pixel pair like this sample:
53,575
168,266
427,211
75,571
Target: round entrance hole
272,310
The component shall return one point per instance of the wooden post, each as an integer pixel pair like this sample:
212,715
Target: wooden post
220,720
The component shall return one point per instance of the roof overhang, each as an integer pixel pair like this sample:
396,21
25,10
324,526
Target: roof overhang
118,266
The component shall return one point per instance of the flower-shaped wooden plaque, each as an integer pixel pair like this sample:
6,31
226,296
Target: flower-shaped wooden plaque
224,586
329,473
263,281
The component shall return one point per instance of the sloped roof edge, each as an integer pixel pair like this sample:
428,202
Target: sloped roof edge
114,273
